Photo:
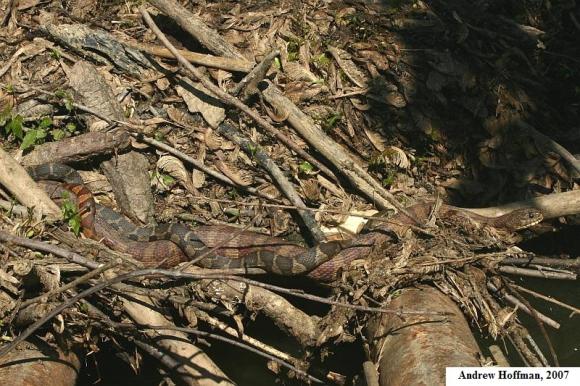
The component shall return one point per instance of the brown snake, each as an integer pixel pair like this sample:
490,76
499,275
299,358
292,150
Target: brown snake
170,244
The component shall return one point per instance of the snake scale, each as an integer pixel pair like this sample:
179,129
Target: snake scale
170,244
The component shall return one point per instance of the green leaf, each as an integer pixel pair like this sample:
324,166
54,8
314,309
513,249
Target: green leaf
167,179
57,134
75,224
66,98
29,139
253,149
55,54
71,127
71,215
68,104
306,167
45,123
40,135
14,126
159,136
5,115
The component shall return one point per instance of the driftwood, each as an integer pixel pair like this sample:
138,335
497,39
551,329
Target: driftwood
77,148
551,205
197,28
14,178
289,318
195,367
38,364
415,350
329,148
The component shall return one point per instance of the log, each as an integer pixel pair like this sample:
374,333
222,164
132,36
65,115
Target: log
415,350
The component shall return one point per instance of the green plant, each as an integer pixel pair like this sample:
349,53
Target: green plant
305,167
14,125
322,60
66,99
36,135
390,179
71,215
331,121
253,149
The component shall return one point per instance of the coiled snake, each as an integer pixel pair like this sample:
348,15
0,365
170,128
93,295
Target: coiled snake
170,244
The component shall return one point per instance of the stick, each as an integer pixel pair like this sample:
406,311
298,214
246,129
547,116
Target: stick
230,100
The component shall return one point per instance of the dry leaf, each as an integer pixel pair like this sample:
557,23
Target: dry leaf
175,168
347,65
197,176
233,173
200,100
212,141
377,140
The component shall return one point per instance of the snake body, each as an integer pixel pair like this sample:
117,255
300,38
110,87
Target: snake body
170,244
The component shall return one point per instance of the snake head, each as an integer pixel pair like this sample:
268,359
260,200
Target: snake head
524,218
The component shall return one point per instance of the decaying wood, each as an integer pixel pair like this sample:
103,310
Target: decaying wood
130,180
38,364
99,45
289,318
228,64
249,84
195,367
78,148
197,28
415,350
14,178
551,205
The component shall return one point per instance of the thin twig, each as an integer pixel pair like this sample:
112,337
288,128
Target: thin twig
550,299
536,315
49,248
83,279
249,83
543,274
205,334
231,100
181,275
266,162
512,299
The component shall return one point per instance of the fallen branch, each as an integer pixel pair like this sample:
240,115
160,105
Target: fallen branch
19,183
339,157
197,28
230,100
224,63
264,160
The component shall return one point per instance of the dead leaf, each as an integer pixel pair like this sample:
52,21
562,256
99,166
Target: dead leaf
212,141
347,65
200,100
233,173
175,168
395,156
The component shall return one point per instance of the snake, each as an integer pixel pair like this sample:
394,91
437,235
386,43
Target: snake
227,247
